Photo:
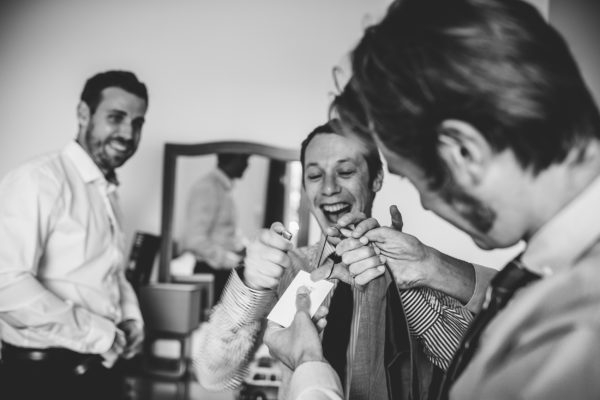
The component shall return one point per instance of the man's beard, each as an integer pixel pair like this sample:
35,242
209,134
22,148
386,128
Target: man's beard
479,215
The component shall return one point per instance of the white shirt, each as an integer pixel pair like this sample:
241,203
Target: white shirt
211,231
62,257
315,381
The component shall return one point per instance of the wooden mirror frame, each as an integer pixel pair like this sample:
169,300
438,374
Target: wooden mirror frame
175,150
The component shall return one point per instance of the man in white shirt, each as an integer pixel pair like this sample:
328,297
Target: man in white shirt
67,313
211,230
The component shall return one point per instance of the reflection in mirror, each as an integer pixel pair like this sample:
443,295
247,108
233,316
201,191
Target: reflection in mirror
269,190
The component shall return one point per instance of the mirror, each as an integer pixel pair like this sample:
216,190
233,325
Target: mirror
269,190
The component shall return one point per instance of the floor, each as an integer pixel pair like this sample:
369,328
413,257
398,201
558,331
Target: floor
147,388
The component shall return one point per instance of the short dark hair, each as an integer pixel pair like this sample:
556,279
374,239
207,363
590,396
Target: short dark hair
496,64
334,127
125,80
226,158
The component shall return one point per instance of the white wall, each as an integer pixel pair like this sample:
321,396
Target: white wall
216,70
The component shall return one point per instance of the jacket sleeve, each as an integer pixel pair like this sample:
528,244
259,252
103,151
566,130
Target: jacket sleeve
228,341
564,363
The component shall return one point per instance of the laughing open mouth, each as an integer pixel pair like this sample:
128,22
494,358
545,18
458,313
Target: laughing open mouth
334,211
120,146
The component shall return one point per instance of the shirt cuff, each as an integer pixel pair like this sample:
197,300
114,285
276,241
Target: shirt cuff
101,336
313,378
483,276
132,311
244,304
420,313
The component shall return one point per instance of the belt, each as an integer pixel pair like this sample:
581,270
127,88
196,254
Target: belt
54,355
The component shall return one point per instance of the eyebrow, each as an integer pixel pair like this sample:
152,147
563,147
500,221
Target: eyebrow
116,111
343,160
121,112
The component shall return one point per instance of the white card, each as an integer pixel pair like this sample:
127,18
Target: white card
285,309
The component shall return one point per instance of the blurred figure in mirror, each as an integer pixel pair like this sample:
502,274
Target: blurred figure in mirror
368,322
64,299
211,232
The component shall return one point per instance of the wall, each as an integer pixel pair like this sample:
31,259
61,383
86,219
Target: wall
216,70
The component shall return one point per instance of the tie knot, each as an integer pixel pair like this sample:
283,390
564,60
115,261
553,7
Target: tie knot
335,258
512,277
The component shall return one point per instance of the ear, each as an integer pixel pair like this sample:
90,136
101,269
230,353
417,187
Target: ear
465,150
83,114
377,182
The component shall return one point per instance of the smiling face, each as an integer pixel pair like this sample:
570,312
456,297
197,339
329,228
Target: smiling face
336,178
112,133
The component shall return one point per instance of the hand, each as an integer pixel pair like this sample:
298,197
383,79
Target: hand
299,342
361,261
406,256
112,355
134,336
231,260
267,258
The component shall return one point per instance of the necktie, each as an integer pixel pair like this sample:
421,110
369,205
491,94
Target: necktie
337,332
502,288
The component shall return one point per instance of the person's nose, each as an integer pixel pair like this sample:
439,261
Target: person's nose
126,130
330,185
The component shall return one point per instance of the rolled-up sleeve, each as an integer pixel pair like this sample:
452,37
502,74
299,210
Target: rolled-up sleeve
437,320
228,341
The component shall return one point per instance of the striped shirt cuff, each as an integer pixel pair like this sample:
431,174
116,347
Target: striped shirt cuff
243,304
437,320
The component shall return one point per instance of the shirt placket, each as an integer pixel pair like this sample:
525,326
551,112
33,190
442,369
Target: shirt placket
109,196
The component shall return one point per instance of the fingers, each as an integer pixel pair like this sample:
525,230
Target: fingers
339,271
364,263
120,340
135,345
365,226
320,319
381,235
303,300
345,224
274,237
396,216
321,324
320,273
350,244
321,312
279,228
368,275
266,258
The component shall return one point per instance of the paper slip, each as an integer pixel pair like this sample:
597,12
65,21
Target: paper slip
285,309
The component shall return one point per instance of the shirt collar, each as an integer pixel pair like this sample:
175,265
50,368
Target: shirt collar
224,179
567,236
85,166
